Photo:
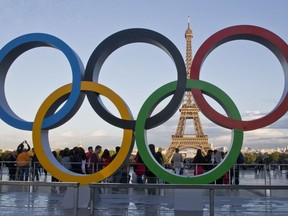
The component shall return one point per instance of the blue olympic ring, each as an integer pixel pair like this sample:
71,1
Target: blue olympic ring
13,50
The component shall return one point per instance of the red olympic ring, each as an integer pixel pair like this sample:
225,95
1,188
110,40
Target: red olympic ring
247,32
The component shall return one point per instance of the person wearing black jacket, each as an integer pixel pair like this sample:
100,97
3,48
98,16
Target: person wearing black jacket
12,165
150,176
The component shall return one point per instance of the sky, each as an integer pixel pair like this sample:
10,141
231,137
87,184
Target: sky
248,72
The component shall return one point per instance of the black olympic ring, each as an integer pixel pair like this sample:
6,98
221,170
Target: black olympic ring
115,41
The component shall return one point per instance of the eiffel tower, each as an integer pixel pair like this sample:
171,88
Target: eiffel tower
188,110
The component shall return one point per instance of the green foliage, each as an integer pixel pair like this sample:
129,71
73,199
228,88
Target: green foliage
5,155
249,158
274,157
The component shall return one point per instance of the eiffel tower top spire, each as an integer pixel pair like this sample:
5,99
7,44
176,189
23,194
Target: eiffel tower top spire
188,98
188,36
188,32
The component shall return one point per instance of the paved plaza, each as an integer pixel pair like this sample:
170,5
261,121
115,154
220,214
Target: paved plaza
48,200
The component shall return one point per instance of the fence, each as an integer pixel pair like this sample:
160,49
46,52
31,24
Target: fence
33,185
267,174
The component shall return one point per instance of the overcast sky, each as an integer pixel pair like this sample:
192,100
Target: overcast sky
248,72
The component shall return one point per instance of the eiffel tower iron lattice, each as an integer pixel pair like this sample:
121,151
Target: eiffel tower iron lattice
188,110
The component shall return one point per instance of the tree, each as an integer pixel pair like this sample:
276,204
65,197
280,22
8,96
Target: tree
274,157
249,158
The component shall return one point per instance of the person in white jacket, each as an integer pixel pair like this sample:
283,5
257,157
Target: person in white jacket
177,161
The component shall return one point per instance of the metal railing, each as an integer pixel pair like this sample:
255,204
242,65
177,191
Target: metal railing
265,170
31,184
267,174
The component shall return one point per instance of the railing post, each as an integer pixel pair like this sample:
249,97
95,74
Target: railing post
265,173
269,168
1,170
230,179
76,198
211,201
33,171
92,192
29,169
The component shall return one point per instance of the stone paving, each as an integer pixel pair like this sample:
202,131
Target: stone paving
22,200
17,201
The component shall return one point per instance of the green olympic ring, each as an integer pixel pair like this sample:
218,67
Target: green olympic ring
141,140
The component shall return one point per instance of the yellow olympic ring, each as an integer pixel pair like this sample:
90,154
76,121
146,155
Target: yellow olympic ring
43,150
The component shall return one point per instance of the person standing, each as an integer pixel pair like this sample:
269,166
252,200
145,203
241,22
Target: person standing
12,166
35,166
83,160
98,162
105,158
150,176
76,161
177,161
23,162
198,161
90,156
116,178
160,156
234,173
208,160
66,158
139,169
218,159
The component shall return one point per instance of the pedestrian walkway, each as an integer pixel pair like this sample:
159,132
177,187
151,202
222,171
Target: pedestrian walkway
194,200
17,200
48,200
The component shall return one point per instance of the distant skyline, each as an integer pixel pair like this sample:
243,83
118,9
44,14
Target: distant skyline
248,72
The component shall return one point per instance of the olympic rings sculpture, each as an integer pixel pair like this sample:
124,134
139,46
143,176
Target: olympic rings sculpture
86,82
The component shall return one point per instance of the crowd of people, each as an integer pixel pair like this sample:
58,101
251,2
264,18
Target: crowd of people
200,164
205,163
23,162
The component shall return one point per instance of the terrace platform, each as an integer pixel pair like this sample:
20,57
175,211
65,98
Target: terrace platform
49,200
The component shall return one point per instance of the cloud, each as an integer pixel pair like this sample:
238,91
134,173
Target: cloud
265,133
268,136
98,133
251,115
68,134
